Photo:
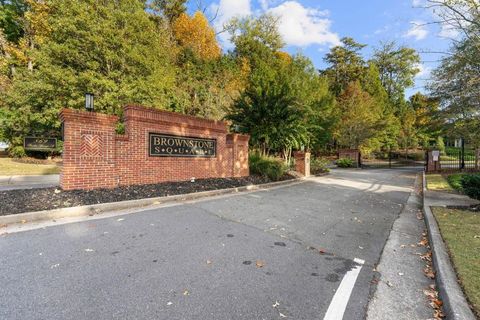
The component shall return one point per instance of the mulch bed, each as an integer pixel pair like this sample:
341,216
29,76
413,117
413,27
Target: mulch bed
27,200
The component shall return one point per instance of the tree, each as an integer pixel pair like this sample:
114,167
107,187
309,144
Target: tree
346,65
314,99
169,9
206,88
427,124
255,39
397,66
460,15
286,104
112,49
268,111
408,134
195,34
358,115
12,19
456,81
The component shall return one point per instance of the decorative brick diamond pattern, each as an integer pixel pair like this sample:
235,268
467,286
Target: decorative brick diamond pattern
92,145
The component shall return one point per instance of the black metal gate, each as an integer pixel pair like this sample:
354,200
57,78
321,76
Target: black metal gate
394,159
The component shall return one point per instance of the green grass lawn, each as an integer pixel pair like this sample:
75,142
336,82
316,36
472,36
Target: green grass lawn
460,230
8,167
436,182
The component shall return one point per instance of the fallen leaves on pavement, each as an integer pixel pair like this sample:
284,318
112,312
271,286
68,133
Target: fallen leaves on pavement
259,263
431,292
434,301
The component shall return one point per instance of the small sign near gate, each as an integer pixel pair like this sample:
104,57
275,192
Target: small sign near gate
435,155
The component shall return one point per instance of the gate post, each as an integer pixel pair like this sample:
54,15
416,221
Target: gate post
477,159
433,163
302,162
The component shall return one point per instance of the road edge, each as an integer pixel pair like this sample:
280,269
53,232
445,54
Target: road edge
95,209
455,304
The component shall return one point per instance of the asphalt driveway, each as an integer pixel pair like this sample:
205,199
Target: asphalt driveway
272,254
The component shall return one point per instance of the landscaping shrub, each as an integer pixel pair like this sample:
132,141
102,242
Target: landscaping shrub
455,181
269,167
17,152
471,185
318,165
345,163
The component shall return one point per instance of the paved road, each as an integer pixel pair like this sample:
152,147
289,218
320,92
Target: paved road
247,256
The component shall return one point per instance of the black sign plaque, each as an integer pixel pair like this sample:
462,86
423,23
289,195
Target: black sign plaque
39,143
165,145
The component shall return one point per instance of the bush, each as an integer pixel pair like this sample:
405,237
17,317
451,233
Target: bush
345,163
455,181
318,165
17,152
269,167
471,185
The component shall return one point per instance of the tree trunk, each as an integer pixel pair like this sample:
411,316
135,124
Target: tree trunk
30,61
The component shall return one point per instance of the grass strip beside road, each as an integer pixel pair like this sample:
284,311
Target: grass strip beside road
460,230
9,167
436,182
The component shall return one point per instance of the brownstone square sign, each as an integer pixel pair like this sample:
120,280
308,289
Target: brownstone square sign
157,146
165,145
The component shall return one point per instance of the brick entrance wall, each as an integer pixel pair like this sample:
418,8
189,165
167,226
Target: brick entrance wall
95,156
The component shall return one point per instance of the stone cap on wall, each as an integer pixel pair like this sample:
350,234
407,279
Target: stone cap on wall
146,114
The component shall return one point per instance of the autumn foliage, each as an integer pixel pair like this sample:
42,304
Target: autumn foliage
196,34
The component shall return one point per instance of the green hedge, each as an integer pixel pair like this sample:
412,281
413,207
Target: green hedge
345,163
455,181
17,152
269,167
471,185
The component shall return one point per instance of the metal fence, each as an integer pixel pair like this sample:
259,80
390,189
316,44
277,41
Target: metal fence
394,159
459,159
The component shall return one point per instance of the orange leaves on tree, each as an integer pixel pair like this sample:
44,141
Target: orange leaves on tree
284,57
196,34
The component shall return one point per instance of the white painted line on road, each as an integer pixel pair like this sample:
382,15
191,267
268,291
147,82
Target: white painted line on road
340,299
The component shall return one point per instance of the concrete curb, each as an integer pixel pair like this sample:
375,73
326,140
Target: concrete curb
95,209
455,305
30,179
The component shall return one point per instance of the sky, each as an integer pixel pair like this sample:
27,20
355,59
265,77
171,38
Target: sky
312,27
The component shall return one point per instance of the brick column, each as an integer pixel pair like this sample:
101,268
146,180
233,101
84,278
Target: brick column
88,150
433,166
302,162
239,145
